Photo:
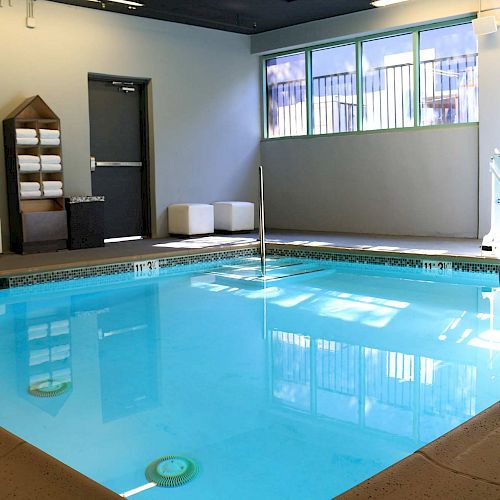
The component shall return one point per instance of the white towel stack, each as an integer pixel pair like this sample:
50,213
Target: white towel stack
59,328
39,356
30,190
52,189
26,136
36,332
60,352
28,163
50,137
51,163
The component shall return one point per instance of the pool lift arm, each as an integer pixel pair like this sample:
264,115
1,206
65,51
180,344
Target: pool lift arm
491,241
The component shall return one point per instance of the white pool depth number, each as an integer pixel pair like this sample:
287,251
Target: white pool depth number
146,269
437,267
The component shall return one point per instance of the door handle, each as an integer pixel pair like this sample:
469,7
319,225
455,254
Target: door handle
119,164
92,164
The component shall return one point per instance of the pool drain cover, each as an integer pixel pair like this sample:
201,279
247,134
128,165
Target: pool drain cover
48,388
171,470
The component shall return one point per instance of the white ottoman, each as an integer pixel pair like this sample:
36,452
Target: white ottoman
190,219
234,216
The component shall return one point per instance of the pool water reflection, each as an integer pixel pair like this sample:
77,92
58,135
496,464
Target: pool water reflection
296,388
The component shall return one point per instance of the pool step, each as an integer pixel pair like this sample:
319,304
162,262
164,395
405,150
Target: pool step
275,270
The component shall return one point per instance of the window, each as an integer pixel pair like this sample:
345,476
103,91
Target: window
334,90
448,76
373,83
388,83
286,95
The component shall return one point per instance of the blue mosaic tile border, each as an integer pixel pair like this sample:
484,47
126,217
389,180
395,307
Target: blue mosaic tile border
108,270
384,260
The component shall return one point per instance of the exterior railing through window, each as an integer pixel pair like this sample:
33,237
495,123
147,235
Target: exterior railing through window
335,103
448,95
449,90
287,108
388,97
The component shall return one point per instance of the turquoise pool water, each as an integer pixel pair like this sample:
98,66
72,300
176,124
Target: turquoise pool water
296,388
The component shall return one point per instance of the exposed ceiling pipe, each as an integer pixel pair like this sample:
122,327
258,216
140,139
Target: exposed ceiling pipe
30,14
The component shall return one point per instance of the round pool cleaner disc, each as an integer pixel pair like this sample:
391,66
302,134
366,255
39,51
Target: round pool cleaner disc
49,388
171,470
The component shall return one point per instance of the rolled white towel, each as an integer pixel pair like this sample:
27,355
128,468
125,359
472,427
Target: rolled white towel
29,167
52,185
31,194
53,193
51,167
46,133
50,158
29,141
25,133
28,159
50,142
30,186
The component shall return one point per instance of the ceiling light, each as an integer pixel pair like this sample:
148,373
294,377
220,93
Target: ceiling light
128,2
385,3
131,4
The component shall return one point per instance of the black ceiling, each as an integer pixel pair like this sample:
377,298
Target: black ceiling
239,16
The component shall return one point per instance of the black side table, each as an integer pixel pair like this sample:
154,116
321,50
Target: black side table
85,221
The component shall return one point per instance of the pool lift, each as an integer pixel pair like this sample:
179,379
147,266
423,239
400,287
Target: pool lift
491,242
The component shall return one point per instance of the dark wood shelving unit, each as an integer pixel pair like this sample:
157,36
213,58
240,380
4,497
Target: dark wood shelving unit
36,224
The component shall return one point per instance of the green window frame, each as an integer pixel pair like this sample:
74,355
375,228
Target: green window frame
358,43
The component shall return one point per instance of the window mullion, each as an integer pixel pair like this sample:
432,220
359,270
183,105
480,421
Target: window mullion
264,99
416,79
309,96
359,84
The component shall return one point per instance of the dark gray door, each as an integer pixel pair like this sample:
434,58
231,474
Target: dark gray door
117,143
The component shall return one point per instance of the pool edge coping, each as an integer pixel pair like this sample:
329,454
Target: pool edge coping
464,437
122,260
33,274
52,478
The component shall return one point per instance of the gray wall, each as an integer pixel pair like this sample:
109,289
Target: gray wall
419,182
443,188
205,124
366,22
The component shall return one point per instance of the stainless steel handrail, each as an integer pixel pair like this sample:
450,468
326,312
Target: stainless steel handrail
262,231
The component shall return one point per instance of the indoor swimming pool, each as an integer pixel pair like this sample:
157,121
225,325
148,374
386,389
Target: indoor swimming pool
295,387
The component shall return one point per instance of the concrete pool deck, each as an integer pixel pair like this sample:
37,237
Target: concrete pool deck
11,264
27,473
463,464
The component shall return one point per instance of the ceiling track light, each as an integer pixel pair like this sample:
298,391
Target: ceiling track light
129,3
385,3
